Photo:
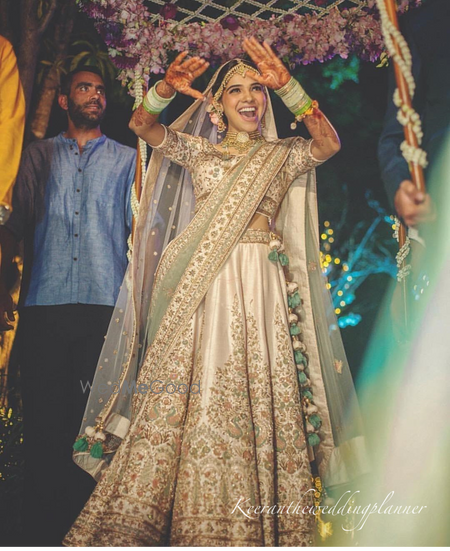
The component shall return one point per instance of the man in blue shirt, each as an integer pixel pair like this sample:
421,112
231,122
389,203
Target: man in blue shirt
71,205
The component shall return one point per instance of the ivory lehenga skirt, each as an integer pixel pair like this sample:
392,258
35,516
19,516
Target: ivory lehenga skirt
194,467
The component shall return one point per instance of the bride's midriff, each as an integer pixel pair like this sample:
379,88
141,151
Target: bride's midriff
259,222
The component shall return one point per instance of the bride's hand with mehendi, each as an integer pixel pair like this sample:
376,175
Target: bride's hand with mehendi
273,73
179,77
182,72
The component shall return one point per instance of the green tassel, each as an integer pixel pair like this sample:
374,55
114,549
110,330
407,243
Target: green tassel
294,300
313,439
81,445
302,380
299,358
315,421
284,260
273,256
294,329
97,450
307,394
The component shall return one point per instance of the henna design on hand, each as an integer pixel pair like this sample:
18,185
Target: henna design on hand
182,72
320,128
273,73
141,117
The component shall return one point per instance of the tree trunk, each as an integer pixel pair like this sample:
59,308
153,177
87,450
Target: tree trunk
32,27
64,17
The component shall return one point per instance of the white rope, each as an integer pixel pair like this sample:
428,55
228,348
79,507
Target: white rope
139,96
406,115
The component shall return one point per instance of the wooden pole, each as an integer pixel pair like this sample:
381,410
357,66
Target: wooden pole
415,169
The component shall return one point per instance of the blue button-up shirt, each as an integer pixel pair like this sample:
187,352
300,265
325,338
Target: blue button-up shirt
74,209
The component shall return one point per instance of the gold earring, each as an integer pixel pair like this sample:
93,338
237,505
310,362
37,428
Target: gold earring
221,126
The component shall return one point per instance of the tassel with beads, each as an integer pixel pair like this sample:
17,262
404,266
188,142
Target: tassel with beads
81,445
97,450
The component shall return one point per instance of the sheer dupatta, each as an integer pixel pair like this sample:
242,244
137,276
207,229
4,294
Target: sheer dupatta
166,210
341,456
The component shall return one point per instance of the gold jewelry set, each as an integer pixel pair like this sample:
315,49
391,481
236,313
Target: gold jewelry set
241,141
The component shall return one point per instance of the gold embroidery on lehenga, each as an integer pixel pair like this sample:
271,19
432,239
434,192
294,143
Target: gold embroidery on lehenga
231,454
204,268
338,365
133,502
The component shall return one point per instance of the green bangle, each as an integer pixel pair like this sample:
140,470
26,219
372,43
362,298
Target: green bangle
294,97
153,103
147,107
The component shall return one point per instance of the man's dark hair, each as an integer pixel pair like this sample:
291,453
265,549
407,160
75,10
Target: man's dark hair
66,80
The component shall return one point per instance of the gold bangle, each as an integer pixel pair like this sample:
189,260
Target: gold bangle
310,111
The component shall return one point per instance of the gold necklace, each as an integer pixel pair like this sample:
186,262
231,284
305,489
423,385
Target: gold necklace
241,141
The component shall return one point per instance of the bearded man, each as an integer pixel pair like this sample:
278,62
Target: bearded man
71,205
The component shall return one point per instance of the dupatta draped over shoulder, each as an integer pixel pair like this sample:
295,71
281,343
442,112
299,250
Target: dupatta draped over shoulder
177,255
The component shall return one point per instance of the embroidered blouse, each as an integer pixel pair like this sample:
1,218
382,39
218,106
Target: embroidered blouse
207,166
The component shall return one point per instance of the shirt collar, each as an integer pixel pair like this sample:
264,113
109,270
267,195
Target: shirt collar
89,143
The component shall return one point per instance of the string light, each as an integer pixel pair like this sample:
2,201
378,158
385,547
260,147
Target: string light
339,272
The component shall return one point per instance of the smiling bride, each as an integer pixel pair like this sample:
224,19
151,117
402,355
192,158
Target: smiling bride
224,288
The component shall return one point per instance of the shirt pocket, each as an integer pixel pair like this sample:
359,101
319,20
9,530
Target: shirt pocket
104,187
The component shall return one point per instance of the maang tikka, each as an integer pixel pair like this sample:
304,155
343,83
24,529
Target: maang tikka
215,109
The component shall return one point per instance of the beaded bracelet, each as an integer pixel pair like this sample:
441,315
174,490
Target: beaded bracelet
153,103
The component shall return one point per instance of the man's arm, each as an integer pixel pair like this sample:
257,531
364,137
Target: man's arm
393,166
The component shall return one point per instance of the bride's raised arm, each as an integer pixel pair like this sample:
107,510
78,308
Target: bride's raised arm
179,77
275,75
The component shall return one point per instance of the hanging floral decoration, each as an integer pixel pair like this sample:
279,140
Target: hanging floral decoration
143,35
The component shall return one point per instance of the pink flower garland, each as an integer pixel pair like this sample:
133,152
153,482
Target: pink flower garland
135,44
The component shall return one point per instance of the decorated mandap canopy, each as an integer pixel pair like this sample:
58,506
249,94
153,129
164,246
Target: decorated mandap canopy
143,35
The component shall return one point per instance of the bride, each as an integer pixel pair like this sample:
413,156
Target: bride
223,383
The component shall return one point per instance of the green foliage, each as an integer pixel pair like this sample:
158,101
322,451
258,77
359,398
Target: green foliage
340,70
